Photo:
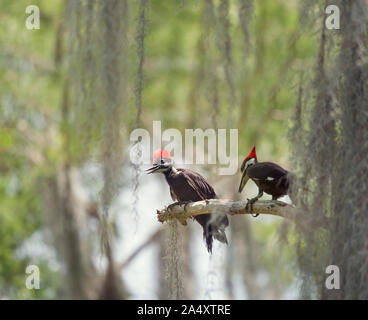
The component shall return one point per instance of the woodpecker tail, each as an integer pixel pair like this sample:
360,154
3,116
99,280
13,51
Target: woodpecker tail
208,237
220,235
213,227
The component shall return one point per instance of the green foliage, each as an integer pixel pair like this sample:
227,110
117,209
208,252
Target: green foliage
29,95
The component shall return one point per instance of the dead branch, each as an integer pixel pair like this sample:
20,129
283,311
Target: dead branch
145,244
223,206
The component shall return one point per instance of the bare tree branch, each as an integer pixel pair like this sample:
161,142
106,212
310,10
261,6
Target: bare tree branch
222,206
155,236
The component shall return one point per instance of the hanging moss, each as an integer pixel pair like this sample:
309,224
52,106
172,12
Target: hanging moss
328,156
245,10
114,18
210,61
350,206
223,41
90,84
312,191
173,263
138,90
140,36
98,77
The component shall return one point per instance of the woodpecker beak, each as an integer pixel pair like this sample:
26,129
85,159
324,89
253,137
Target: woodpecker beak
153,169
243,181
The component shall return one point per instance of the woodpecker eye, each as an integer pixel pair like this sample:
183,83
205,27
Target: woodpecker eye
251,162
162,161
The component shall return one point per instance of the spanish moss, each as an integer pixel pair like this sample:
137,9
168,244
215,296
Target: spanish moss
174,263
223,41
211,76
331,183
246,8
114,58
140,36
139,82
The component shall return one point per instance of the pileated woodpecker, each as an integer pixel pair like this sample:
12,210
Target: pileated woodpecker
268,176
187,186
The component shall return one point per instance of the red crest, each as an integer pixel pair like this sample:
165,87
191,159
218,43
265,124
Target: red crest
161,153
252,154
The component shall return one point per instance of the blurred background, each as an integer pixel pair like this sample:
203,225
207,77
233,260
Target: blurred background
72,92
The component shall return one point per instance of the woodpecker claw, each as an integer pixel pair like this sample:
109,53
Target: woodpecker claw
251,202
179,203
170,206
185,205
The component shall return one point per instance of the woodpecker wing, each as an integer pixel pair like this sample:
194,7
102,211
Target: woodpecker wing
266,171
213,226
173,195
198,184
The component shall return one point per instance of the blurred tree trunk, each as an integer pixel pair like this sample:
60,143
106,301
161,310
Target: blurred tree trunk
334,180
67,220
67,215
350,218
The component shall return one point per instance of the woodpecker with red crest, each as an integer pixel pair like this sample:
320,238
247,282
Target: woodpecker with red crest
268,176
188,186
